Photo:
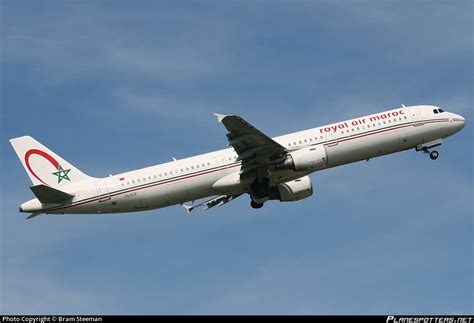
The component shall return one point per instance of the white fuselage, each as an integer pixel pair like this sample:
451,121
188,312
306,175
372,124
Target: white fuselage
193,178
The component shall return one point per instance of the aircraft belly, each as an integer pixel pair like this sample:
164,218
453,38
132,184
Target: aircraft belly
362,148
199,187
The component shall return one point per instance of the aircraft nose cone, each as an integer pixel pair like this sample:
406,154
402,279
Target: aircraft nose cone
459,122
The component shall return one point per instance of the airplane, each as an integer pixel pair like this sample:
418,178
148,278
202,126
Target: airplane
255,164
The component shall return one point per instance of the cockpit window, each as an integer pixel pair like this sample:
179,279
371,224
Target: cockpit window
440,110
435,111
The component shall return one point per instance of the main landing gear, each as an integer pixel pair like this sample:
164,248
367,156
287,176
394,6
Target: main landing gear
256,205
433,154
259,192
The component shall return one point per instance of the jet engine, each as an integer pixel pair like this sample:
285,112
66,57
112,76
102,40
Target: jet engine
306,159
293,190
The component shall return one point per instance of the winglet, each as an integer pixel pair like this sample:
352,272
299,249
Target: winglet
220,117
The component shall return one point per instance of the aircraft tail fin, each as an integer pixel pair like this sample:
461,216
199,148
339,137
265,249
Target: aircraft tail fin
43,166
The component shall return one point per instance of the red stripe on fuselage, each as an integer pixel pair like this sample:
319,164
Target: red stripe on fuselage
142,187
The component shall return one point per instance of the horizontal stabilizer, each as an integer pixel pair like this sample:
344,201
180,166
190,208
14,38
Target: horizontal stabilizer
47,194
34,215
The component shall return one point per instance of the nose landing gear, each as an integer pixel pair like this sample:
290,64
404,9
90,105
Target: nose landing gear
433,154
427,145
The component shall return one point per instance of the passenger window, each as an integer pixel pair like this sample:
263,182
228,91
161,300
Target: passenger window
133,181
310,139
208,164
166,174
138,180
305,141
154,176
300,142
192,167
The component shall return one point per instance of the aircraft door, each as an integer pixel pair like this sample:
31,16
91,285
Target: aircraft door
409,136
102,191
415,114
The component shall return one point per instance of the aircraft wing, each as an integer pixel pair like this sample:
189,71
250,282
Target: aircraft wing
252,146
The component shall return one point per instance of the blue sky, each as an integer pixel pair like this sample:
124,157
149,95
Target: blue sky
113,86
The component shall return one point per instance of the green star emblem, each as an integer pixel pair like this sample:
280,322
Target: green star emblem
62,174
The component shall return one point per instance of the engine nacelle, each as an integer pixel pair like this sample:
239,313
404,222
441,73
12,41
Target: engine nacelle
306,159
295,190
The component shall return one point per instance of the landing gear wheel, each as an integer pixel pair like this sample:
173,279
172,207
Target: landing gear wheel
260,189
434,154
256,205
